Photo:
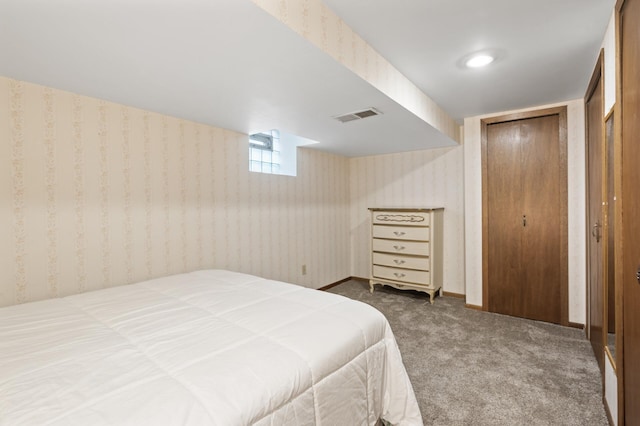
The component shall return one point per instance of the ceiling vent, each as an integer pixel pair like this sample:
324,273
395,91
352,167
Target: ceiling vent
358,115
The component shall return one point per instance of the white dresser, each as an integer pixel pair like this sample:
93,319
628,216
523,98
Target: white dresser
406,249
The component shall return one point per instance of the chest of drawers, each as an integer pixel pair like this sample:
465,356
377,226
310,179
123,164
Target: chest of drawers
406,249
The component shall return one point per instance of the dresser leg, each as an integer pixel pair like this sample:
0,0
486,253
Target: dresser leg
431,294
371,286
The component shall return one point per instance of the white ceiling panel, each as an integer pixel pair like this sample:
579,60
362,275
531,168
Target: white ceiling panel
230,64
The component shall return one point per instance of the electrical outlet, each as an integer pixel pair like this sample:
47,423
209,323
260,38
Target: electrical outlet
304,269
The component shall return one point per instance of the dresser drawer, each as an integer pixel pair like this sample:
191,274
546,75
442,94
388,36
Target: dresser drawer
401,247
406,275
401,232
401,218
399,261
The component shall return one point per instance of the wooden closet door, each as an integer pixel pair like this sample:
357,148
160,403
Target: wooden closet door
595,258
630,109
505,213
542,205
525,216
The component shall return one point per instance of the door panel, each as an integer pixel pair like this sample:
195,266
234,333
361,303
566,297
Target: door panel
594,217
630,103
542,205
505,226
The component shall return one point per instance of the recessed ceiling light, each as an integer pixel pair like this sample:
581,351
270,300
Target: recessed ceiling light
481,58
478,61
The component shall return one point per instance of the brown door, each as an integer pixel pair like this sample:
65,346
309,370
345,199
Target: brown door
630,103
525,216
505,218
594,113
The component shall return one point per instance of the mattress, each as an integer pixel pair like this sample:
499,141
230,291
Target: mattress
209,347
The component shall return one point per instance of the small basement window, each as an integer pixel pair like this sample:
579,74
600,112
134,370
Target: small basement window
275,152
264,152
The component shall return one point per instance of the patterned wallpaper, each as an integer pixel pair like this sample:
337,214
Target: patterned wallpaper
95,194
430,178
317,23
576,207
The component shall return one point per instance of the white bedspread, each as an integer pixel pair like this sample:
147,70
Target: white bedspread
209,347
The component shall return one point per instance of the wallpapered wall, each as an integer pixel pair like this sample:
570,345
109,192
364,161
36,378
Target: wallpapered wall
431,178
316,22
95,194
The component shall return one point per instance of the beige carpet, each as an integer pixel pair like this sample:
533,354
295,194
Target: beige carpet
476,368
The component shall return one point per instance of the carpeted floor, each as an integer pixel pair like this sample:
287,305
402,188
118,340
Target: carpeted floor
477,368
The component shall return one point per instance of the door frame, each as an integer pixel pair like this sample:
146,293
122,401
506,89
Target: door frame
619,232
617,177
561,112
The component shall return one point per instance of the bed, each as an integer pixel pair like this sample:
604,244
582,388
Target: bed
210,347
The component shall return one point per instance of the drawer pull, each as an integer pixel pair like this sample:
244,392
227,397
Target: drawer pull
398,261
399,233
399,274
399,247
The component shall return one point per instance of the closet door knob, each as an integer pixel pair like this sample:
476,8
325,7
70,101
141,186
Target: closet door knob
638,274
595,231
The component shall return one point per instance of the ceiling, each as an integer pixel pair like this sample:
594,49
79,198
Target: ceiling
547,49
230,64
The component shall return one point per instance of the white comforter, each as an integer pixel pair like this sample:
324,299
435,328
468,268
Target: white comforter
208,347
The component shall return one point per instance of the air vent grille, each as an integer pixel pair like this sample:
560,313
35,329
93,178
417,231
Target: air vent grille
358,115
